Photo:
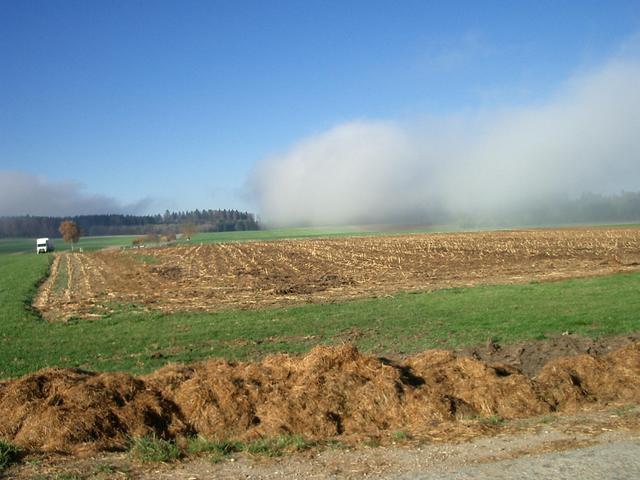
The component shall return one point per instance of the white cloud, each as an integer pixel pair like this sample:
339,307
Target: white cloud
584,138
22,193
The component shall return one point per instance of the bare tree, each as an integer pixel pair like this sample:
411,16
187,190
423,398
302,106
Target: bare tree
188,229
70,232
152,237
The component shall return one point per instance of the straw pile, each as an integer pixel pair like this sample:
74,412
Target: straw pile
67,409
330,392
571,382
475,388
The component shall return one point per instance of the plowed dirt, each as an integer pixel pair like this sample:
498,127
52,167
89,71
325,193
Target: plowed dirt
530,356
332,392
259,274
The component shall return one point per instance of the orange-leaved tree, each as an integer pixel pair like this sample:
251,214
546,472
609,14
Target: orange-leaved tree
70,232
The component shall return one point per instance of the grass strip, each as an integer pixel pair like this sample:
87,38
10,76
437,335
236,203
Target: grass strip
151,448
219,450
9,454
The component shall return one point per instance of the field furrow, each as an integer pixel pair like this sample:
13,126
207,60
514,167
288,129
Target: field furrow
258,274
42,301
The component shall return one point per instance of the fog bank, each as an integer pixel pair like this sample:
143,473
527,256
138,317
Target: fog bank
585,138
26,194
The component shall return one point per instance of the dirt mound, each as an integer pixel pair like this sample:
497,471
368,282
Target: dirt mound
530,356
169,272
330,392
291,286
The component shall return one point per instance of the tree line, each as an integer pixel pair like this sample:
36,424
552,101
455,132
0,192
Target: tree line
119,224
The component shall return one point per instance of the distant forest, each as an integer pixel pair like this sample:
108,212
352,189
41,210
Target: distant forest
116,224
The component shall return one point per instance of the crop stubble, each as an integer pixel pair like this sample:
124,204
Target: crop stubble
259,274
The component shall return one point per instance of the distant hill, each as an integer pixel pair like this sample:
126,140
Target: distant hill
117,224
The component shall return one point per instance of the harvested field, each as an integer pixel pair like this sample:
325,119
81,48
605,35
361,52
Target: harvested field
332,392
258,274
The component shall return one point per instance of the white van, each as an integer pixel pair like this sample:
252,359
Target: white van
44,245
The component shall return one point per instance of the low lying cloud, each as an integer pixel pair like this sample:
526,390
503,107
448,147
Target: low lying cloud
22,193
586,138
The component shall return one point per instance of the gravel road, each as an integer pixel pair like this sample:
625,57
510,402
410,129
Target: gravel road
613,461
554,451
585,446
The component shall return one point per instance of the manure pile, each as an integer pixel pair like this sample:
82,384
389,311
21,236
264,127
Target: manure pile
332,392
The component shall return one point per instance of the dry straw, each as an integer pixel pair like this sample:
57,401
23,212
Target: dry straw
330,392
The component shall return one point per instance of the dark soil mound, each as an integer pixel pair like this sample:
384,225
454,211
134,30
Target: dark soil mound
531,356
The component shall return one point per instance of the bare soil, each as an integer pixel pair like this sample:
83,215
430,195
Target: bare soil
530,356
259,274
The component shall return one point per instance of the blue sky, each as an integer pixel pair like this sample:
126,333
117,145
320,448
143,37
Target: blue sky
146,105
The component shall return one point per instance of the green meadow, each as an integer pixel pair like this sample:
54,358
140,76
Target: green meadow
28,245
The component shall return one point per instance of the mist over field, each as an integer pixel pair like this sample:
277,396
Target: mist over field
584,138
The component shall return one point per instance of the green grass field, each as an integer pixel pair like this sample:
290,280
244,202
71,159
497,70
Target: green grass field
139,342
28,245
